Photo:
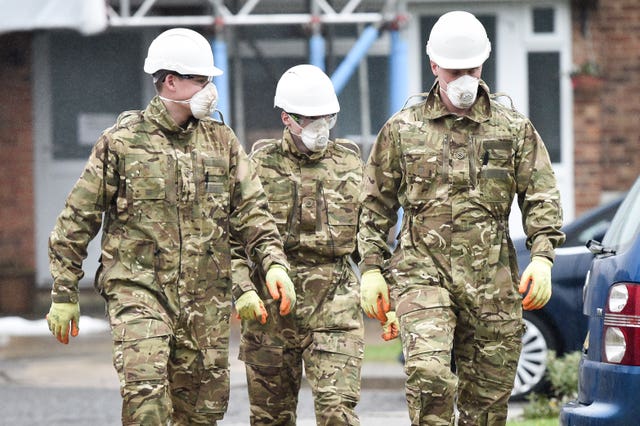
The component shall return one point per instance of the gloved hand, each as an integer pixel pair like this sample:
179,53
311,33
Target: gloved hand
390,328
250,307
374,295
537,279
280,286
62,318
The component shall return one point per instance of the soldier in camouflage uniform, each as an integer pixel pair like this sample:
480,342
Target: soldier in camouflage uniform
173,185
455,162
312,184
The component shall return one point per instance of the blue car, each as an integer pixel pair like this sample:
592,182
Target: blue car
609,375
560,326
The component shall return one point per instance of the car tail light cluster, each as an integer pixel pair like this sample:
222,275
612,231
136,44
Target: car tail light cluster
622,325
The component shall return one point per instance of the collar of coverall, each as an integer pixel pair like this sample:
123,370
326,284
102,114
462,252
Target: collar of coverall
480,111
157,113
289,146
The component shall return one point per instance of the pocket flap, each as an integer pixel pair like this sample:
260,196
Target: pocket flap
424,298
260,355
139,329
341,343
215,358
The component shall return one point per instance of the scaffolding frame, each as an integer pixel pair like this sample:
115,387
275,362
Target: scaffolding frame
390,15
321,12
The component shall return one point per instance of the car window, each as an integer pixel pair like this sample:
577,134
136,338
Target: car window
593,231
626,222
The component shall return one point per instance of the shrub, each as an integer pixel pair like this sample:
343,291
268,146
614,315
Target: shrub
562,374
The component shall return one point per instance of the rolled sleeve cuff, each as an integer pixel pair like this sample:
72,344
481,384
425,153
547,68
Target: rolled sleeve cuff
543,247
371,262
64,296
275,259
241,288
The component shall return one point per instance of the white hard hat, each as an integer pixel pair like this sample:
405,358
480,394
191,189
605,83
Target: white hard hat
458,41
181,50
306,90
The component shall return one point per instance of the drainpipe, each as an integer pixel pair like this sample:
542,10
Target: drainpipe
398,78
317,51
316,41
349,64
220,58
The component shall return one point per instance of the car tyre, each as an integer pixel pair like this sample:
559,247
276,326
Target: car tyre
537,341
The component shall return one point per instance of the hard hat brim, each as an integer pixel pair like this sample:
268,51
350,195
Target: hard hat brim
460,64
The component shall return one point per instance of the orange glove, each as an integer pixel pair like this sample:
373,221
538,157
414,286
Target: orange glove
536,278
250,307
390,328
62,318
374,295
280,286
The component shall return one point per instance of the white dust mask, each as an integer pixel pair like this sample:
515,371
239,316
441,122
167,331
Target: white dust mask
462,91
315,136
203,103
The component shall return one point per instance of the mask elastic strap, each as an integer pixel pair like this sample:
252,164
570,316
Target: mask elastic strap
173,100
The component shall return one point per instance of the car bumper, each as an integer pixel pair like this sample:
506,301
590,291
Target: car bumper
613,392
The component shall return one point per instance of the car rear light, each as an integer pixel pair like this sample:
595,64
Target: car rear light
622,325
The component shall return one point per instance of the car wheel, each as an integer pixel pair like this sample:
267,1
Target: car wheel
537,341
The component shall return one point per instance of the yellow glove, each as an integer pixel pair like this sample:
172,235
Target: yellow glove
374,295
62,318
250,307
390,328
536,278
280,286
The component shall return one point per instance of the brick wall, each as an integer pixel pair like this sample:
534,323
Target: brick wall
17,253
606,123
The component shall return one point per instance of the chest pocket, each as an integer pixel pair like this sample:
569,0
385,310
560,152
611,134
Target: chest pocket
341,198
147,182
422,168
497,182
214,206
214,187
281,193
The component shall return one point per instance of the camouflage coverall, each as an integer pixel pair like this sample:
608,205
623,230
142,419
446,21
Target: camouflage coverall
171,198
453,276
314,201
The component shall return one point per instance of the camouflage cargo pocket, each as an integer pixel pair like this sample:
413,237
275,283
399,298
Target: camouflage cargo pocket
426,321
141,350
213,395
334,363
499,343
264,364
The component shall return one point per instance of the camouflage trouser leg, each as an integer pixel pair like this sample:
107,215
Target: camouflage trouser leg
427,339
486,356
273,381
142,369
199,383
332,365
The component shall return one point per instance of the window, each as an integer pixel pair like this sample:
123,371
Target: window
626,223
544,99
93,79
543,20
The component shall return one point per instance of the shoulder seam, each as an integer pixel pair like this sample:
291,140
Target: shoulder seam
348,144
262,144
